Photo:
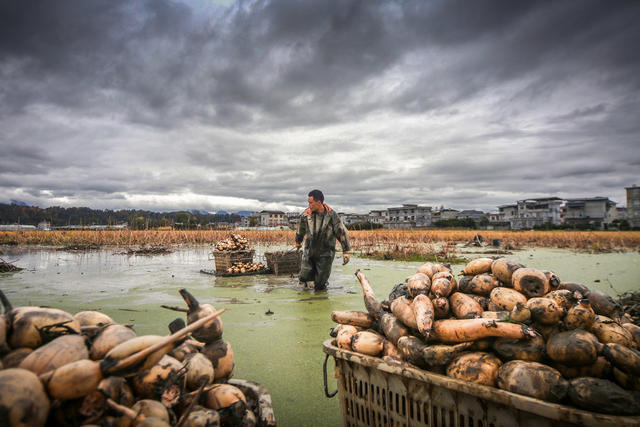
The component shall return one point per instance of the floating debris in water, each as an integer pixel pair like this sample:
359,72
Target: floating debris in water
630,302
80,247
6,267
148,250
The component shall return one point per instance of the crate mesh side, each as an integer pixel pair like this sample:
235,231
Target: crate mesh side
504,416
397,398
371,397
444,406
419,402
378,389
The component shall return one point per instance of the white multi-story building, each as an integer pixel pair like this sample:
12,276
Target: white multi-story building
538,212
378,216
272,218
408,216
251,220
496,222
292,219
493,217
507,212
622,213
596,212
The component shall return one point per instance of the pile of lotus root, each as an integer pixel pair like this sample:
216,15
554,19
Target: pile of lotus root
235,242
504,325
68,370
245,267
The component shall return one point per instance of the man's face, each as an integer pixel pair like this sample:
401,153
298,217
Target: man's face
315,205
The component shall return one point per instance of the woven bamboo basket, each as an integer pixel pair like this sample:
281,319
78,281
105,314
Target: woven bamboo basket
224,260
284,262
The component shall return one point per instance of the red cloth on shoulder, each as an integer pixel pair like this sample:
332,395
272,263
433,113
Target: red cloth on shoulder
327,209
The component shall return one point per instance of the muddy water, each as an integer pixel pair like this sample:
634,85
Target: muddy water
283,350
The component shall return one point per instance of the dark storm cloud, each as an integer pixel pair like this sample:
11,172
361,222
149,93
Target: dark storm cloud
466,104
264,56
581,113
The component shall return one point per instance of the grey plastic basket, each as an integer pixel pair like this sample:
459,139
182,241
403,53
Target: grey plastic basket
373,392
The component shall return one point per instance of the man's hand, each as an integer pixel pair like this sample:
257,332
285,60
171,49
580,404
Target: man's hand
345,257
298,245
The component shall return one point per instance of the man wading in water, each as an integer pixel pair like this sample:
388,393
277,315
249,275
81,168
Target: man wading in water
322,226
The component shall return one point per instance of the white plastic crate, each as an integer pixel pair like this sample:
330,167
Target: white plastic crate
375,393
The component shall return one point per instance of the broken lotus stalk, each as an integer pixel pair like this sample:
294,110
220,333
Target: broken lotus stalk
370,301
120,366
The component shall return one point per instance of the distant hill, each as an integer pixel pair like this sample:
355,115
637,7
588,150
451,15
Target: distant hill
222,213
243,213
137,219
18,202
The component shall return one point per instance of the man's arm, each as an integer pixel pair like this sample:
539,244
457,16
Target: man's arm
302,230
341,233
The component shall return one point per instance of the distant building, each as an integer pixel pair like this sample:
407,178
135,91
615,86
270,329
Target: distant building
448,214
621,213
633,205
408,216
17,227
595,212
493,217
292,219
538,212
496,222
508,212
378,216
218,225
349,219
470,214
443,214
122,226
250,219
253,220
272,218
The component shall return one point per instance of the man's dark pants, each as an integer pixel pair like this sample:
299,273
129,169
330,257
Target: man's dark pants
317,268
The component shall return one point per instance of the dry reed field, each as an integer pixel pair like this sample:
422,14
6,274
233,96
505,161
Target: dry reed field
595,241
400,243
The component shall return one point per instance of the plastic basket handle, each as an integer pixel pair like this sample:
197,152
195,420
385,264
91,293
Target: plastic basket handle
324,376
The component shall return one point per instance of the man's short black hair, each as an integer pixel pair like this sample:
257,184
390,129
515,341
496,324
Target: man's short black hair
316,194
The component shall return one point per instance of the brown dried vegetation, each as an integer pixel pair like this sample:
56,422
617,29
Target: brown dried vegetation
395,244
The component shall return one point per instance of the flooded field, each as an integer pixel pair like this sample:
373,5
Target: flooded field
283,350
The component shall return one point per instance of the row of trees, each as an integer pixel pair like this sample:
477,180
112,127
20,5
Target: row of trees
137,219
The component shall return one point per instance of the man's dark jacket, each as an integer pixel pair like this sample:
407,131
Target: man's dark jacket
321,232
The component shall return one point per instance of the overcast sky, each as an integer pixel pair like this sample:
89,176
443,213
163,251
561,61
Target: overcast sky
222,105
